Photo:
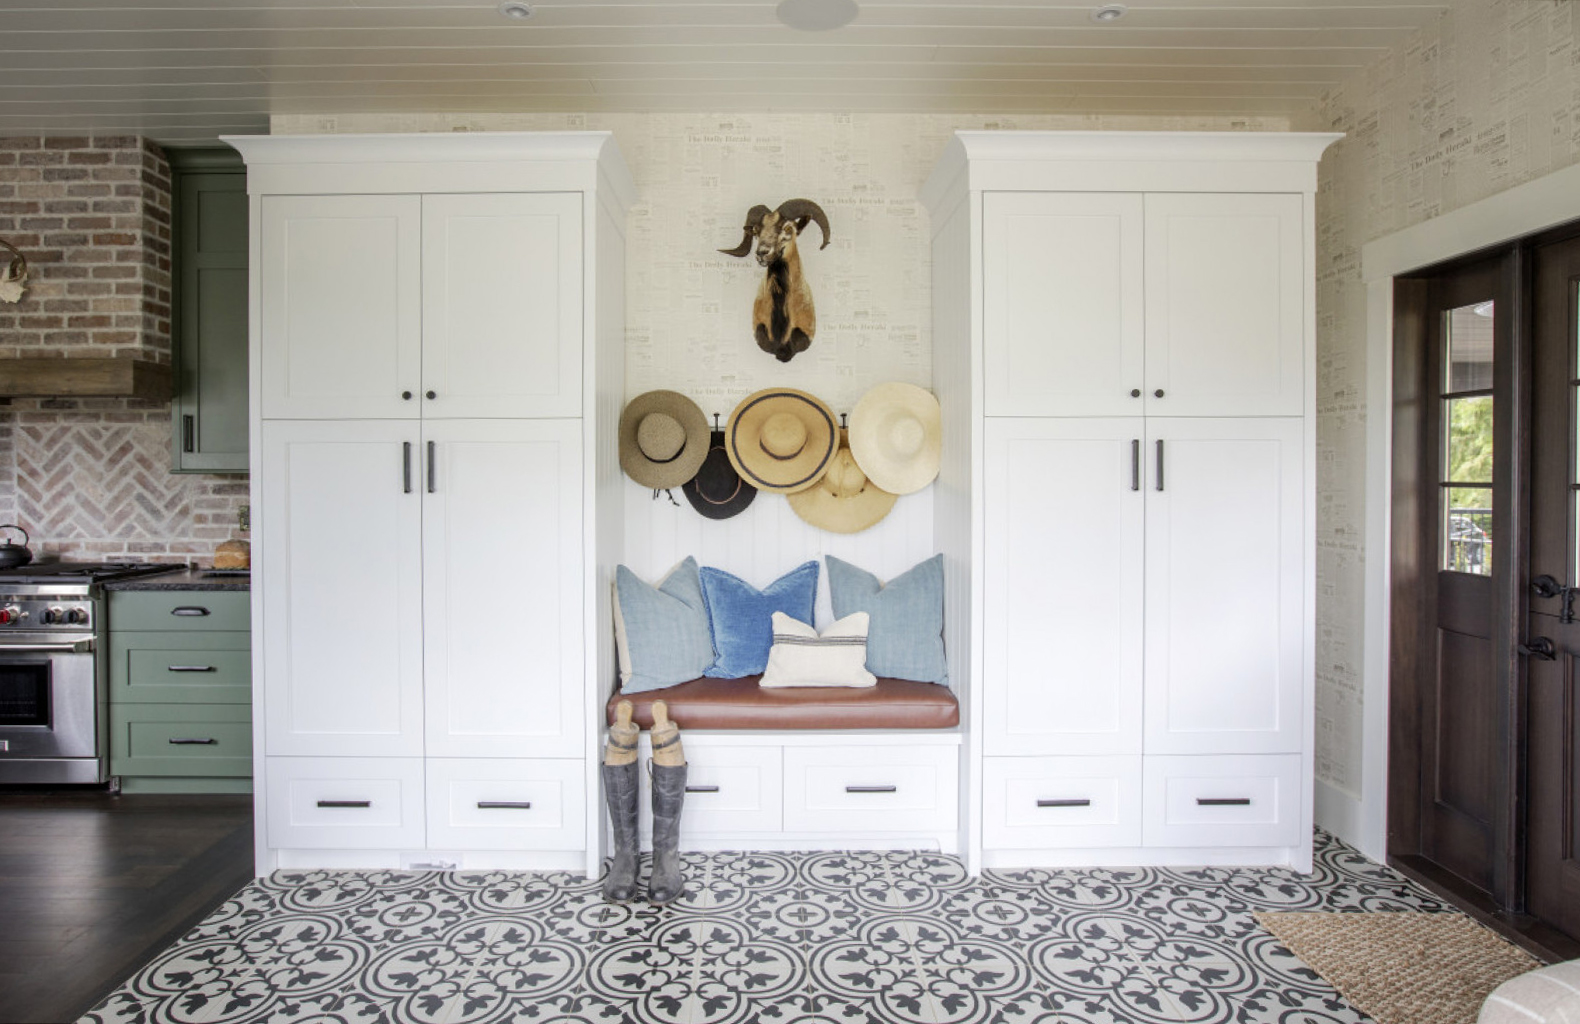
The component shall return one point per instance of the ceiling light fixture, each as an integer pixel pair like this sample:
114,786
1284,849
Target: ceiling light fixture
817,15
515,10
1109,13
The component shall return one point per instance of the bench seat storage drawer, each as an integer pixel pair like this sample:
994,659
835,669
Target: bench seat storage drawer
169,667
353,803
201,740
861,790
728,789
1052,802
135,610
1222,800
506,804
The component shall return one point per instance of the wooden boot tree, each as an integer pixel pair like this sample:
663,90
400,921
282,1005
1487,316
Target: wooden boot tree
621,748
667,751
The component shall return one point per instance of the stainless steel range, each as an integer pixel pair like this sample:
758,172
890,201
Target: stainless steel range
54,721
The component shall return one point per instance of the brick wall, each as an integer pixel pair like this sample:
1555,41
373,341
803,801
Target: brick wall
90,478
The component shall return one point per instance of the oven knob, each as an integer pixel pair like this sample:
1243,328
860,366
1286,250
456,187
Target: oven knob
52,616
10,615
76,616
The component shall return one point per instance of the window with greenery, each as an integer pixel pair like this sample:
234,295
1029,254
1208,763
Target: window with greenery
1467,439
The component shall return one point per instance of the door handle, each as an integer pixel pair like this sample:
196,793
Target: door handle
702,789
1540,648
406,465
1223,801
1547,586
432,480
189,433
1083,802
872,789
189,611
193,741
189,668
504,805
1135,464
1160,463
356,804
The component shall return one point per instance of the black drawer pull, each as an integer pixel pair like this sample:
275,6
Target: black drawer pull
872,789
702,789
345,803
1083,802
1223,801
193,741
190,668
189,611
504,805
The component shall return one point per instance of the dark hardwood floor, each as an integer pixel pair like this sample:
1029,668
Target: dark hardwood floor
92,886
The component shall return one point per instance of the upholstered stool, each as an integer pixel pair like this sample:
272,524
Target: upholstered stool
1547,995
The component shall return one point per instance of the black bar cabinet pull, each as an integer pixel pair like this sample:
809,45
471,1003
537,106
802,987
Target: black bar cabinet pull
702,789
431,486
405,450
193,741
345,803
189,611
872,789
1223,801
1135,464
190,668
504,805
189,433
1160,463
1082,802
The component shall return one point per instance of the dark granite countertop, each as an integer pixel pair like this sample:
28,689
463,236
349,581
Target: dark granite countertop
182,579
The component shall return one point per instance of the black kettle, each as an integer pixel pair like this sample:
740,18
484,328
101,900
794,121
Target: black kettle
13,555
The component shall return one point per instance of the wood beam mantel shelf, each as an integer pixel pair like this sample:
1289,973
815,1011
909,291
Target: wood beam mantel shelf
113,377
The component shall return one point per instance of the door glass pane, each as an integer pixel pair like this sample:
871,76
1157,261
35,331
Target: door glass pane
1467,530
1468,459
1469,362
24,693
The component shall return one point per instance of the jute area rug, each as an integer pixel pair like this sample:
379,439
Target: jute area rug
1403,967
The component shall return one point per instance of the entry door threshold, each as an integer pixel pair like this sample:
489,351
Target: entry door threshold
1536,937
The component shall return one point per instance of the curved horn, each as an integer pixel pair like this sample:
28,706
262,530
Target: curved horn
796,209
16,266
754,220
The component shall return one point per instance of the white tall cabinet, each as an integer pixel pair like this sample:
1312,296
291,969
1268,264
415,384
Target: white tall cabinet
437,366
1123,324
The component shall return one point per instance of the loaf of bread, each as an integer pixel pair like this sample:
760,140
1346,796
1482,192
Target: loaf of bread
233,554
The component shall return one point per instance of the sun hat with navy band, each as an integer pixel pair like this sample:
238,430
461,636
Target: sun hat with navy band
781,440
663,439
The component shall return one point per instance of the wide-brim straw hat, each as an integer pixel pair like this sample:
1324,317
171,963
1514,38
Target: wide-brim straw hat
844,501
896,435
717,491
663,439
781,440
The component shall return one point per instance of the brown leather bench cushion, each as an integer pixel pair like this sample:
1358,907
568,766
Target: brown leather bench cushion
742,704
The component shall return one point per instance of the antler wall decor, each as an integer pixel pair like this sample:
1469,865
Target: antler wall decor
13,280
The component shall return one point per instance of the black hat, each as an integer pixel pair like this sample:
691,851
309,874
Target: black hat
717,491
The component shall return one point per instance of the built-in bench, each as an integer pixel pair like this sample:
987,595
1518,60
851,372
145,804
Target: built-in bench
743,704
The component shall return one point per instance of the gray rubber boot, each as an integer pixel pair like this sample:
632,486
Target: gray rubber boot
669,792
621,791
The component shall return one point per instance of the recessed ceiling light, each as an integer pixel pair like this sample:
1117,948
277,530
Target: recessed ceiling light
817,15
515,10
1109,13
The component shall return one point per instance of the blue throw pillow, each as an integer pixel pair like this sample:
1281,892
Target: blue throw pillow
743,616
662,631
905,639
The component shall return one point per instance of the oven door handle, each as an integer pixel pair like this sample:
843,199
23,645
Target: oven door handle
83,646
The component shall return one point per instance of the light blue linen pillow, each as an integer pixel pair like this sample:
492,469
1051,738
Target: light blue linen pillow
905,637
663,630
742,616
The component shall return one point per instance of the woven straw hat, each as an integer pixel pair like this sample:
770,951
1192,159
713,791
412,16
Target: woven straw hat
717,491
844,501
663,439
896,435
781,440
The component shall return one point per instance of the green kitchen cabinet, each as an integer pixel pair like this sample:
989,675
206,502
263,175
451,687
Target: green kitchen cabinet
209,303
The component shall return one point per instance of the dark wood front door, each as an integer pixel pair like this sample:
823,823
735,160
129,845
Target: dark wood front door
1553,683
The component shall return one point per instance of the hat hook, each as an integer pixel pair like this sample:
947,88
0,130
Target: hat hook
715,421
842,421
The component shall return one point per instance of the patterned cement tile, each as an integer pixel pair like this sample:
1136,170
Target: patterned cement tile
813,938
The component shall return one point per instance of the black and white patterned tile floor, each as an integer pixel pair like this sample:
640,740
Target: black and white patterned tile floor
815,938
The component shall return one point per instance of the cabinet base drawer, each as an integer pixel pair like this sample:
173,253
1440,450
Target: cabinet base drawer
506,804
181,739
1033,802
1222,800
862,790
728,789
174,668
328,803
181,609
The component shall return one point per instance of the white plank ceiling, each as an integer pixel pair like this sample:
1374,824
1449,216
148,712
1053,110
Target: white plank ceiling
190,69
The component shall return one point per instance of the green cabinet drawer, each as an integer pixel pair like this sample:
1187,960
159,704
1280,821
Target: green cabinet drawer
210,740
180,668
180,609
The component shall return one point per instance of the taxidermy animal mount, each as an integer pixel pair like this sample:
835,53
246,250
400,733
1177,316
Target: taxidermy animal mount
782,316
13,279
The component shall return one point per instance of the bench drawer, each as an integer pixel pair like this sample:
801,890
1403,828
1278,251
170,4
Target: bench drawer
204,740
1055,802
728,789
174,668
506,804
181,610
329,803
861,790
1228,800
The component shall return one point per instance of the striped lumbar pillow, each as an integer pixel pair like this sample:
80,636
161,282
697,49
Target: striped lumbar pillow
800,657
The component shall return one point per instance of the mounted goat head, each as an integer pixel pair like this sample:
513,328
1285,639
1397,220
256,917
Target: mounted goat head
13,279
782,316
